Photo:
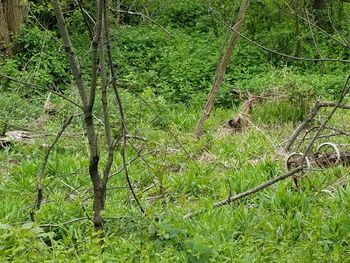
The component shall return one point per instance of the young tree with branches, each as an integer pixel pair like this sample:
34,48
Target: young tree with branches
100,48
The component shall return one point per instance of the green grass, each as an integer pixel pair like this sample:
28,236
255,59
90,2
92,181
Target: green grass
278,224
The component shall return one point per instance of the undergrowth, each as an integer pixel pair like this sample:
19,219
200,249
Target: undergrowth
279,222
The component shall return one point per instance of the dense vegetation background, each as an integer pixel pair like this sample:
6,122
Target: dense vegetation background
166,53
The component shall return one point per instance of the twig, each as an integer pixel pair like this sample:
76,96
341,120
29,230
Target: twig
85,15
121,168
305,20
171,133
44,163
120,110
343,37
147,18
40,86
312,34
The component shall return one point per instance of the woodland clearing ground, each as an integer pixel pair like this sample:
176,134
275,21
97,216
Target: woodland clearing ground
308,224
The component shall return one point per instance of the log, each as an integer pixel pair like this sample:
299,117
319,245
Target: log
15,136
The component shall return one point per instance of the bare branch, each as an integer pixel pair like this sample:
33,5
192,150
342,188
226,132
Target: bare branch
72,58
312,33
104,99
147,18
305,20
86,16
309,118
64,223
247,193
44,163
43,87
94,54
121,114
344,92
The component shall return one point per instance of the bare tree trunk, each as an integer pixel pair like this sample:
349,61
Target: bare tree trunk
99,205
15,13
12,14
4,31
221,68
88,102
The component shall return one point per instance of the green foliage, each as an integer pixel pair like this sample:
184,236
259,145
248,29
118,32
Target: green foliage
184,14
38,61
23,240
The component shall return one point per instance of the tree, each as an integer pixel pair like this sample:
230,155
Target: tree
221,68
12,15
99,172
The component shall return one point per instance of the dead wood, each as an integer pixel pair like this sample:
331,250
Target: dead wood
303,157
313,112
15,136
242,121
221,68
331,159
249,192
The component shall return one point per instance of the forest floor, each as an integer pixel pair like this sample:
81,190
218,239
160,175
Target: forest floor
172,174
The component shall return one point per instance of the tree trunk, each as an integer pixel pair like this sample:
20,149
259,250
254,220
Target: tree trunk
221,68
12,14
98,205
88,102
4,33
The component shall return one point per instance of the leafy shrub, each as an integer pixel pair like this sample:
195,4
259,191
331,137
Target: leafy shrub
183,13
39,60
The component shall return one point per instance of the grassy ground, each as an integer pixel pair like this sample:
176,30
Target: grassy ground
279,224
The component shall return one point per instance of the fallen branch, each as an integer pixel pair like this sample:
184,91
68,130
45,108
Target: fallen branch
248,192
15,136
